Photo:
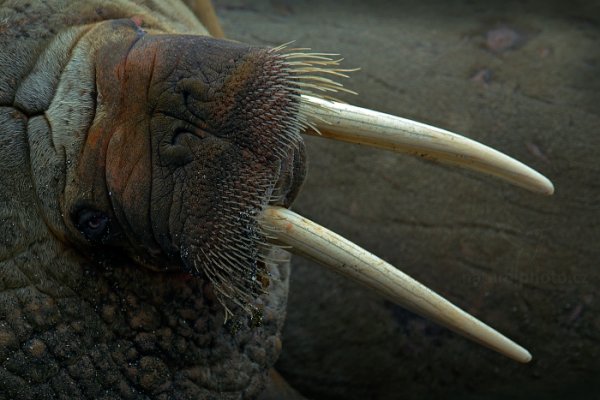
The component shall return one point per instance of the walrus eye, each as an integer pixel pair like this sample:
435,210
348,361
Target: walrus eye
92,224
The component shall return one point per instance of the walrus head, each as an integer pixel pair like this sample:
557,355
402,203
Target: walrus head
194,137
185,153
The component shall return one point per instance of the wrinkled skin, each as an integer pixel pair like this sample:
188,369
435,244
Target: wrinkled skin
126,147
521,78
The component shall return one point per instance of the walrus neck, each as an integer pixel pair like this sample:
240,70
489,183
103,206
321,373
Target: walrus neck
20,222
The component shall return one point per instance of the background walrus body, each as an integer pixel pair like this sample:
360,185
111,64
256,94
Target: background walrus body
523,77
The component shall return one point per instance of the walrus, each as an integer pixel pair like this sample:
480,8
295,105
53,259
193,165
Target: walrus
148,168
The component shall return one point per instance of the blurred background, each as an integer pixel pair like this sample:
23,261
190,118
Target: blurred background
520,76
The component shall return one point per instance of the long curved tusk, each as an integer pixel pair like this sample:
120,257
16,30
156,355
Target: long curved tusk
333,251
359,125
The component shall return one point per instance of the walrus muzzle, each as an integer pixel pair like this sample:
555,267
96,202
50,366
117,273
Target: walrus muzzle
216,124
219,126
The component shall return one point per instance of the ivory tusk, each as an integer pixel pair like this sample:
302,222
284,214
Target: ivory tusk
359,125
333,251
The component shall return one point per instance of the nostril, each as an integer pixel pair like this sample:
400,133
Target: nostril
291,176
184,136
183,143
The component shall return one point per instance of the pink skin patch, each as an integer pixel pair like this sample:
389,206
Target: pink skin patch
137,20
502,39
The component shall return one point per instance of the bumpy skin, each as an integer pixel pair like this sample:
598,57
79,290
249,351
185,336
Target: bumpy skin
79,84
